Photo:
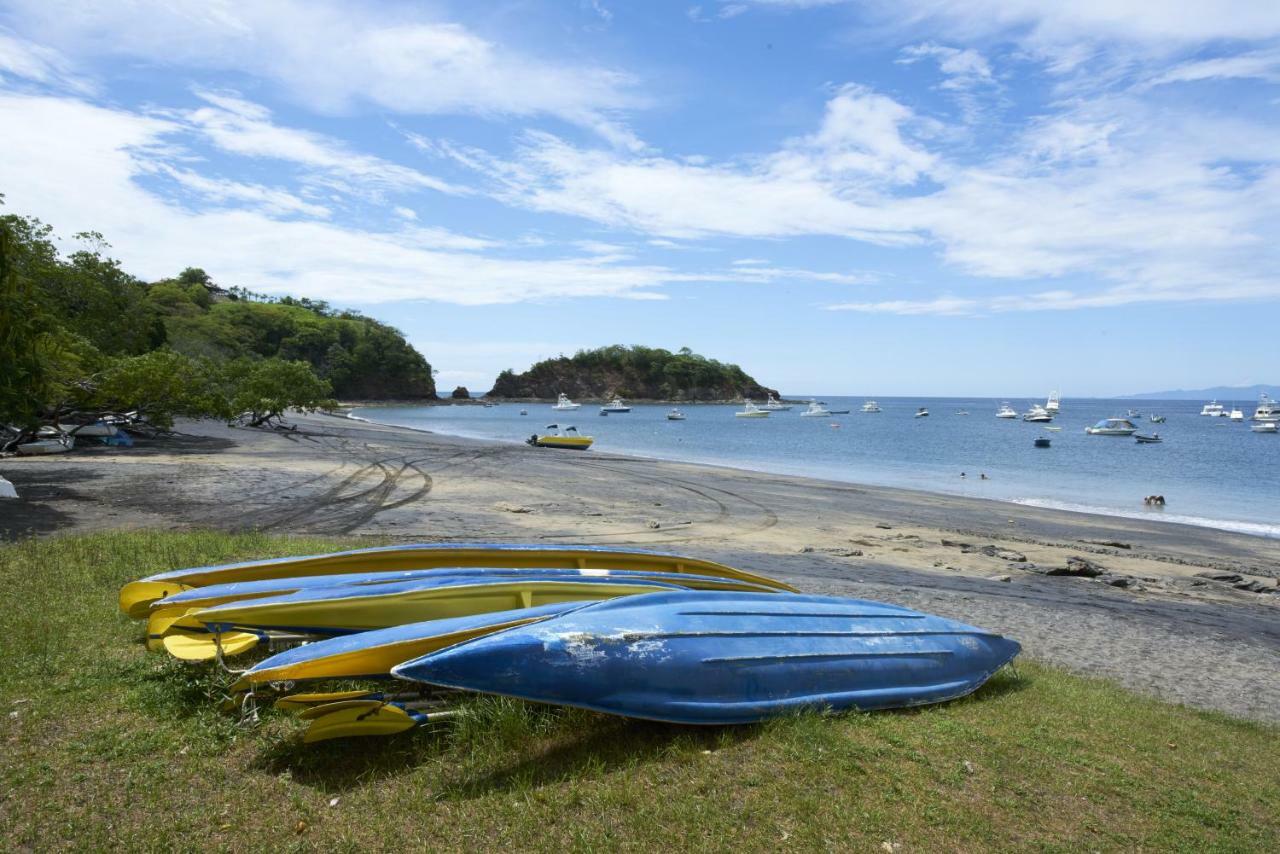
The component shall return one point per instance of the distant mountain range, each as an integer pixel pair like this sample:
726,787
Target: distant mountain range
1219,392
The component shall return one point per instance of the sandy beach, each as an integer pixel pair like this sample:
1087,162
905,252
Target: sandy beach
1151,620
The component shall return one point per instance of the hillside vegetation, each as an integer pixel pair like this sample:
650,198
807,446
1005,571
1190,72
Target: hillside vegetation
638,373
80,334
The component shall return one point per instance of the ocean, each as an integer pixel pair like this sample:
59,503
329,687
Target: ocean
1212,472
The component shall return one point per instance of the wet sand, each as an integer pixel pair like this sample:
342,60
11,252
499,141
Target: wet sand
1170,632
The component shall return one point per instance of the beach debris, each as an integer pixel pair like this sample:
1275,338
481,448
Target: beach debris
841,552
804,550
1004,578
653,524
884,526
7,490
513,508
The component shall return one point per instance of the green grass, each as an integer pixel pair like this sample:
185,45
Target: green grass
103,744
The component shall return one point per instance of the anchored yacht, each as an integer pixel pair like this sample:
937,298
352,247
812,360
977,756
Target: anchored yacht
1214,409
1006,411
615,405
870,406
750,410
815,410
772,404
1268,410
563,402
1112,427
1037,413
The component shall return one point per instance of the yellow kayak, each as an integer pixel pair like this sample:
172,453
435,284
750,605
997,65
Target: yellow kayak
342,610
136,597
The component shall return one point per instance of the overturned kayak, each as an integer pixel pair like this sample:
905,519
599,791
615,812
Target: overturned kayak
724,658
136,597
343,610
174,613
374,653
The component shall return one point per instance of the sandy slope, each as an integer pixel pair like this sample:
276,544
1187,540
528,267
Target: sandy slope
1170,633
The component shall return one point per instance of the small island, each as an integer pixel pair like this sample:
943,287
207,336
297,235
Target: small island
635,373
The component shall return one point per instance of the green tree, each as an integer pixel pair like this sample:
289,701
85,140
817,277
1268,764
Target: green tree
23,327
160,386
262,391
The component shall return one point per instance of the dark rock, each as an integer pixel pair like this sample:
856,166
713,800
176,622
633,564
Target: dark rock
804,550
1256,586
844,552
884,526
1117,580
1115,544
461,393
955,544
653,524
1078,567
1219,575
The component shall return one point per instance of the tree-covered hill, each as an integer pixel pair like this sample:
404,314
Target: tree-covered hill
638,373
94,310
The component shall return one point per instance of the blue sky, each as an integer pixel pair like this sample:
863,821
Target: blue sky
963,197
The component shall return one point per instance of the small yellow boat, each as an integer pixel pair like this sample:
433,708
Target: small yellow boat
568,438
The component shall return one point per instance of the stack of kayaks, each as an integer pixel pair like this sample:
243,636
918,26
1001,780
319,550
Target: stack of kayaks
629,632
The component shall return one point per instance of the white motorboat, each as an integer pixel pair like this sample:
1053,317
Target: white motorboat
750,410
1112,427
55,445
922,413
772,404
675,415
1268,410
1053,404
1265,427
815,410
870,406
1237,414
1006,411
564,403
615,405
962,412
1037,413
1133,413
1214,409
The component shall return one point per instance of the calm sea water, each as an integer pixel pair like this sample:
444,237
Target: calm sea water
1211,471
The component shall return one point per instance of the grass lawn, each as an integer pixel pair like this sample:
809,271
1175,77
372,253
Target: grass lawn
107,745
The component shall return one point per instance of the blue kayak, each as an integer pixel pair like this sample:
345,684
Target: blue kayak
358,608
696,657
374,653
220,593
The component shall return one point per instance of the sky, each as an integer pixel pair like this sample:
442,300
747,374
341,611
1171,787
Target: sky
933,197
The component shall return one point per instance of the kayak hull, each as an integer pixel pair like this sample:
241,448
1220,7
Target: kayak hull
343,610
725,658
136,597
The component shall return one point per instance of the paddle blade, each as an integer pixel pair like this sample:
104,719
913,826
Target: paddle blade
360,720
300,702
203,647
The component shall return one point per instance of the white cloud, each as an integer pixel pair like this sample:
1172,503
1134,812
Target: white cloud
1138,199
939,306
242,127
77,167
965,69
336,57
270,200
39,64
405,213
1261,65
